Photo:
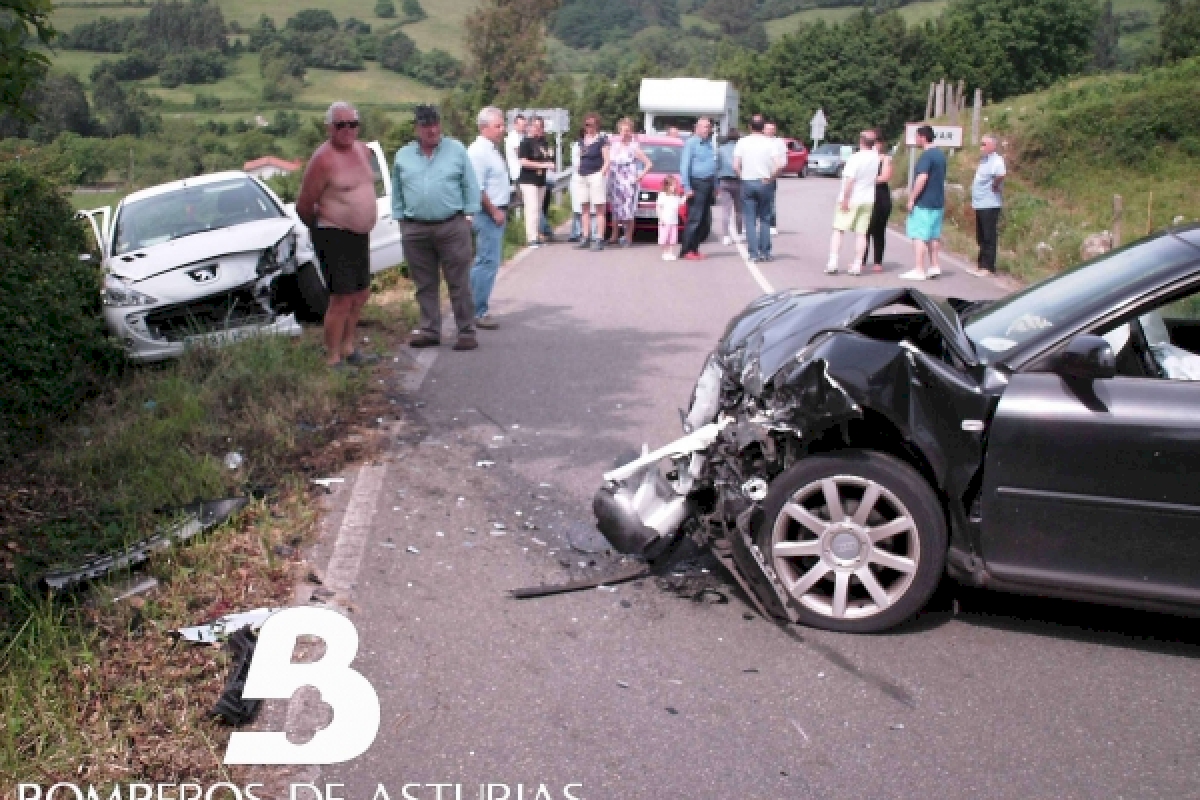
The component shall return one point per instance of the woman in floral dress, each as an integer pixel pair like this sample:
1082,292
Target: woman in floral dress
624,174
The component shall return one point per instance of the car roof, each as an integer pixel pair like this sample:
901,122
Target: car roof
657,138
199,180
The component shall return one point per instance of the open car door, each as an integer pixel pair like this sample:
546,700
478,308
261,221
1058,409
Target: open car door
99,219
386,249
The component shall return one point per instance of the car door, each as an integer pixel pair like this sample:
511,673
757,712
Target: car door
1096,484
99,220
797,157
386,248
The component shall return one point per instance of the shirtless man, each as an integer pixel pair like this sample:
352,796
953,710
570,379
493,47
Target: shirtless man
337,203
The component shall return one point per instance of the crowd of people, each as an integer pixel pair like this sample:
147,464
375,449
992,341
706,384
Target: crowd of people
452,204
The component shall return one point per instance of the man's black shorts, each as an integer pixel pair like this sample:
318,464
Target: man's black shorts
346,257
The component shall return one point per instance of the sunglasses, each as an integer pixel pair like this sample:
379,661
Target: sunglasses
346,123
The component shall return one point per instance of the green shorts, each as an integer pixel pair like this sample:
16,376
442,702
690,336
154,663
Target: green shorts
857,219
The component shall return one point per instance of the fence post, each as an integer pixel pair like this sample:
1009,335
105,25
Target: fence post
939,99
1118,211
929,100
975,116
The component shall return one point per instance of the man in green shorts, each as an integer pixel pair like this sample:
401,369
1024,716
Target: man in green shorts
855,202
926,206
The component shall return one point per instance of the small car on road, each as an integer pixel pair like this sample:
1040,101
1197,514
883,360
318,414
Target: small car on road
797,158
828,159
844,449
665,153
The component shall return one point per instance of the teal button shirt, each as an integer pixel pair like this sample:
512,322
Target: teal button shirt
434,188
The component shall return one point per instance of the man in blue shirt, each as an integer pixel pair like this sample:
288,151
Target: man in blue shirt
698,168
986,200
434,191
492,171
926,206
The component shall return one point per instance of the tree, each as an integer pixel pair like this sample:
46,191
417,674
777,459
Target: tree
21,66
311,20
396,51
1179,30
385,9
507,43
413,10
1010,47
1108,34
738,21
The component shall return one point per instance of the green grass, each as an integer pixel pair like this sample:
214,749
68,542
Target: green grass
82,201
913,13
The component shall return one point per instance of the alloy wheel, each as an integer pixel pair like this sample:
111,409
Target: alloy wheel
845,547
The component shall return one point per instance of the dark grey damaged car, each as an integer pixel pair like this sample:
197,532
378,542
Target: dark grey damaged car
844,449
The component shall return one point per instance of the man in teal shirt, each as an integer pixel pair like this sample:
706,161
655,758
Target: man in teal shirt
434,194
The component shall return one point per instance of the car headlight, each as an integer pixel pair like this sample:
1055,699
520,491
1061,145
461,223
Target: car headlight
118,294
281,254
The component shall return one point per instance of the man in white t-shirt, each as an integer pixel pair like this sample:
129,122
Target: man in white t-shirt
756,160
511,142
770,130
855,201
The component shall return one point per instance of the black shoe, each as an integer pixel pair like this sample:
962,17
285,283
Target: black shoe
466,341
598,244
423,339
584,244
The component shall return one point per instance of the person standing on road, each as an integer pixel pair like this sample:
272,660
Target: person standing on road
512,142
729,190
588,184
770,131
698,169
536,160
757,163
337,203
491,170
666,207
882,210
855,201
986,200
624,177
434,190
926,207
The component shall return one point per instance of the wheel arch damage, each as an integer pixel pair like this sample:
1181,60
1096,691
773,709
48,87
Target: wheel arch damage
800,373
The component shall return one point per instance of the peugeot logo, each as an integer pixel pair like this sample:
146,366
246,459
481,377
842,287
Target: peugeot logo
204,274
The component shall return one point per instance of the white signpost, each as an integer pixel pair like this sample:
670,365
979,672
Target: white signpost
943,135
817,127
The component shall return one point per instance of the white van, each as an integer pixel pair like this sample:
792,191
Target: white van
680,102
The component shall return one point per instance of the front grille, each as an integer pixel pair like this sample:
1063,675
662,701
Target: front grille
218,312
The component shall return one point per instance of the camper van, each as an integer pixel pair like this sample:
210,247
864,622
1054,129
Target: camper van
681,101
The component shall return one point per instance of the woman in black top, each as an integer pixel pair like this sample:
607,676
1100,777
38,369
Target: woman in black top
877,230
536,160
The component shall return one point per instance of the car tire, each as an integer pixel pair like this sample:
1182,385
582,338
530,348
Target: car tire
838,174
314,294
843,575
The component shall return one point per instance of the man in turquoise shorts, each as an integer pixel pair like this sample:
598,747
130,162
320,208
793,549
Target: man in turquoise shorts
926,206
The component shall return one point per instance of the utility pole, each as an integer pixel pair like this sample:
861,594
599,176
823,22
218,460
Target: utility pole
131,167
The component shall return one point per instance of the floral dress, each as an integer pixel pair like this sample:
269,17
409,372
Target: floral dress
623,171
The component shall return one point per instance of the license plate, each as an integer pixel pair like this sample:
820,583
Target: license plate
646,213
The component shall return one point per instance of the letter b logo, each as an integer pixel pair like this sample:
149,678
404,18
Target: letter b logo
274,676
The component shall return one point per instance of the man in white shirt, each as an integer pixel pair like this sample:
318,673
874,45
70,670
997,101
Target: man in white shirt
756,160
492,170
769,130
511,143
855,202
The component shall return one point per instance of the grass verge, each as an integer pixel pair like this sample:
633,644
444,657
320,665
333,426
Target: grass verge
97,692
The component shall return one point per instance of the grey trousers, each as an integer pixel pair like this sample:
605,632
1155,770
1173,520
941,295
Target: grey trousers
434,250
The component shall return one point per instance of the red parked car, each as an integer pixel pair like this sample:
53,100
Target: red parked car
665,153
797,157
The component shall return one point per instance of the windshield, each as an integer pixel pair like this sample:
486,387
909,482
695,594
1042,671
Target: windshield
664,157
1001,326
828,150
191,209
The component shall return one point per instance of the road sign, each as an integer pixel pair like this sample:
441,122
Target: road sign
817,126
557,120
943,135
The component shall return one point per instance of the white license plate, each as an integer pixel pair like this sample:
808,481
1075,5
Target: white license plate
646,213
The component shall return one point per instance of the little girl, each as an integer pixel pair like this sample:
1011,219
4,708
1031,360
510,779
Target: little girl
669,201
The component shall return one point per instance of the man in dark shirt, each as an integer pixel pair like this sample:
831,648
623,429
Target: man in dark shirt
926,207
536,159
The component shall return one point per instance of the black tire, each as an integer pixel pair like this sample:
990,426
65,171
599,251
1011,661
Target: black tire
839,172
313,294
902,488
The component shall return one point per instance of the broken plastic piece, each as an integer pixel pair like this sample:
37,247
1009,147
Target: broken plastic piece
630,573
231,706
413,550
327,481
234,460
485,464
226,626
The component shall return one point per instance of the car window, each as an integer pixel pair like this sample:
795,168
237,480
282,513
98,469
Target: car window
828,149
1160,342
1000,327
664,157
191,209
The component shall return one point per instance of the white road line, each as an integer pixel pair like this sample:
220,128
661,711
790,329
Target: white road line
422,362
755,272
342,572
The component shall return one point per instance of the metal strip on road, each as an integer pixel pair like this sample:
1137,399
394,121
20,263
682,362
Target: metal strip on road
342,573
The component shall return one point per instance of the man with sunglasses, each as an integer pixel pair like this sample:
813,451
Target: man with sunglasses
337,203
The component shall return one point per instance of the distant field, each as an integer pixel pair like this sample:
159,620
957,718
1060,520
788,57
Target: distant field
915,12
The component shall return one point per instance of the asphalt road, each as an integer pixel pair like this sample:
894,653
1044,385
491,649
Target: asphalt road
644,693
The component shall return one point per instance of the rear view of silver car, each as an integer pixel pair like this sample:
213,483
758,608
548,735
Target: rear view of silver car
828,159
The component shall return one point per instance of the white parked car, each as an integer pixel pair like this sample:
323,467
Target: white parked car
216,258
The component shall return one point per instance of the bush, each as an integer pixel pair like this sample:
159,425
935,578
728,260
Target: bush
413,10
193,66
311,20
385,9
49,309
134,67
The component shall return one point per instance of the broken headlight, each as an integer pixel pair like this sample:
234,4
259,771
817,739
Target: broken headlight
706,397
118,294
279,255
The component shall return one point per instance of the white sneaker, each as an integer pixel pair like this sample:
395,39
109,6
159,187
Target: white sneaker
831,269
741,237
727,241
912,275
933,272
666,256
774,231
854,269
670,257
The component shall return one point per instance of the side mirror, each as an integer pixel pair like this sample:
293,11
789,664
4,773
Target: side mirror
1087,357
